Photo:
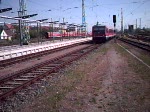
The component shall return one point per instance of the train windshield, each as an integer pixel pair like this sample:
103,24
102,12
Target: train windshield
100,30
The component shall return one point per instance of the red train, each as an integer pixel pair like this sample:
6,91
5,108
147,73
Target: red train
64,34
101,33
52,34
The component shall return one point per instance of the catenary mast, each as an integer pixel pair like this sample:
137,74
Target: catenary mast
121,21
83,18
24,28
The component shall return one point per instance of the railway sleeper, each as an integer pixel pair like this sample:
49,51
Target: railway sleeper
41,70
38,71
14,83
21,79
75,54
5,87
54,64
44,69
33,74
29,76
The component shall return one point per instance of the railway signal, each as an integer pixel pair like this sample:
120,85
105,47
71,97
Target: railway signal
114,18
114,21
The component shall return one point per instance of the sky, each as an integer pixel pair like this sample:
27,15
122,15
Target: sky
101,11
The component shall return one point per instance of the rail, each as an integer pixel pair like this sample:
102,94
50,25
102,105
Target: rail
21,79
11,61
137,44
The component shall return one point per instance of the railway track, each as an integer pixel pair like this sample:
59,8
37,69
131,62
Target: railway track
137,44
24,78
11,61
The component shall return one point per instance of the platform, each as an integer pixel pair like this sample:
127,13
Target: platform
7,52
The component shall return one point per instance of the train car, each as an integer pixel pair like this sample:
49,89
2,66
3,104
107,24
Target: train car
101,33
53,34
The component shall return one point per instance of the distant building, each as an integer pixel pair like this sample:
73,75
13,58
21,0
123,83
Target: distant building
7,31
131,29
69,29
6,34
9,27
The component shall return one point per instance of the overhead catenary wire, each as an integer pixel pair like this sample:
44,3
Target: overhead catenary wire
134,10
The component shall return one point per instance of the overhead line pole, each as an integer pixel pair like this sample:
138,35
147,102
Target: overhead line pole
136,23
121,21
140,23
83,19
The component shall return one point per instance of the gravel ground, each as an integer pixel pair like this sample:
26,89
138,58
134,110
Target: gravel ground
107,80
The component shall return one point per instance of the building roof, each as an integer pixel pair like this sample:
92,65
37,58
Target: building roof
8,26
45,27
9,32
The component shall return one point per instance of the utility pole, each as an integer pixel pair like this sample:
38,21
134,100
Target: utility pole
38,32
83,19
121,21
52,29
140,23
136,23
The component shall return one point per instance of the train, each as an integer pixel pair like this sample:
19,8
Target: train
101,33
49,35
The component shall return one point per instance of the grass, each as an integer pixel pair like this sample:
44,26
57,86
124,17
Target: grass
57,91
93,100
69,80
140,69
103,49
145,58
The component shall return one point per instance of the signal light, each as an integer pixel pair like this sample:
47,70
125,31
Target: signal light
114,18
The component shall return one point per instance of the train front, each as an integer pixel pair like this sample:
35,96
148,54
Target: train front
99,34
